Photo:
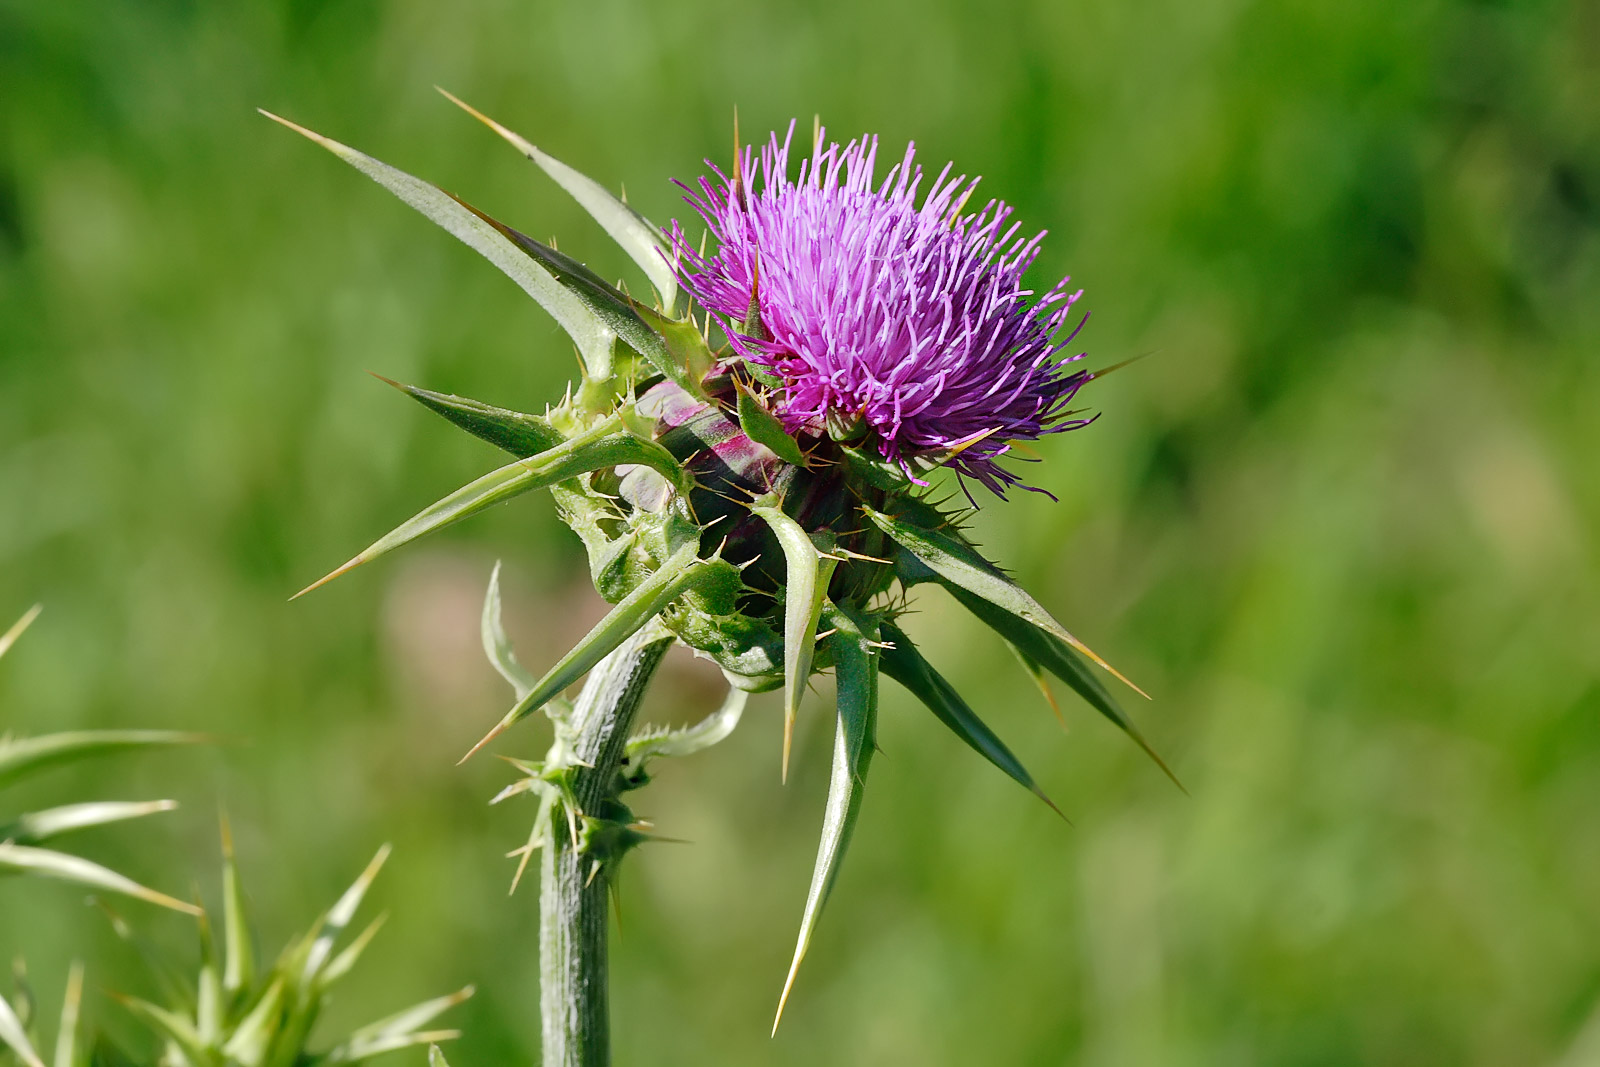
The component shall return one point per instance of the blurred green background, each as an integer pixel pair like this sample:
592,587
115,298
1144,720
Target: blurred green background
1344,524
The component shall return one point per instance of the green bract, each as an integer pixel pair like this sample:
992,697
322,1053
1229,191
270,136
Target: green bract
702,517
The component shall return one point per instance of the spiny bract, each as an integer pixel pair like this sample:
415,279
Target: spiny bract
758,492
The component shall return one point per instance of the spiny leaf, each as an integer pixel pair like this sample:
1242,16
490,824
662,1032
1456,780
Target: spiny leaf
646,601
1036,671
517,433
169,1023
601,447
411,1019
495,643
22,859
15,1035
392,1043
253,1036
593,339
634,323
239,967
957,563
345,961
902,662
67,1033
806,584
763,427
691,739
338,918
854,743
639,238
24,756
1053,654
40,826
9,638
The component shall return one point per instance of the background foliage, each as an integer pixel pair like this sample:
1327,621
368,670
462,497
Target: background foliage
1344,522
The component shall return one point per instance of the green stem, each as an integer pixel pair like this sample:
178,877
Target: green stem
572,895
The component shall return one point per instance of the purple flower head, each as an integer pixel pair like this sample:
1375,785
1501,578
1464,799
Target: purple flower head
907,326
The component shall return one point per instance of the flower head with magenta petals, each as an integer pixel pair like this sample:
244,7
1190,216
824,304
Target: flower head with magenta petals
905,325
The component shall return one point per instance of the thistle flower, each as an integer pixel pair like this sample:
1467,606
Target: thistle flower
907,326
761,498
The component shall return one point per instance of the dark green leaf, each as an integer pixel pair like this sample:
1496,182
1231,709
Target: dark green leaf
958,564
902,662
1053,654
521,435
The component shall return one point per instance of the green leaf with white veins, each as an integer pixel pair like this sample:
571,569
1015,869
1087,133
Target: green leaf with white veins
603,446
856,667
593,339
643,241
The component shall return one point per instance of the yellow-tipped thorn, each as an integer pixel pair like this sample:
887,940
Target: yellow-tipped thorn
499,729
325,579
1040,794
783,999
9,638
788,741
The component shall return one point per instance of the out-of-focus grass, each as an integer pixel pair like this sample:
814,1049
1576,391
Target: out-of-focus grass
1343,522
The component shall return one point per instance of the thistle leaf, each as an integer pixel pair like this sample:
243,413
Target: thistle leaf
763,427
253,1036
1053,654
40,826
9,638
1036,671
521,435
691,739
171,1025
338,918
21,859
239,966
639,238
495,643
807,585
352,1053
601,447
960,565
15,1036
647,600
854,743
902,662
593,339
67,1033
24,756
640,328
409,1021
346,960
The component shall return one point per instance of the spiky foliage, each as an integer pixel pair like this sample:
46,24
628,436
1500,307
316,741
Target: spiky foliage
23,836
713,503
21,1024
234,1013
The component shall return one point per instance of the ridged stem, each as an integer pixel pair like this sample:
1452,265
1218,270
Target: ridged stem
573,1001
